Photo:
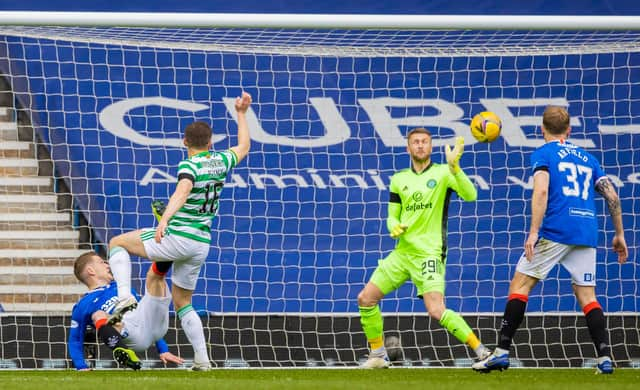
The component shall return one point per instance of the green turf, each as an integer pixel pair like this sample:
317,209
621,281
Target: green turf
347,379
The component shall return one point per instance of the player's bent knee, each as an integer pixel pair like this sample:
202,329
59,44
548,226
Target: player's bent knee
436,313
115,241
364,300
130,242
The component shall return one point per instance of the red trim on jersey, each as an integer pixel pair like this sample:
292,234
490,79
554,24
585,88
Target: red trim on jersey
100,323
154,268
591,306
520,297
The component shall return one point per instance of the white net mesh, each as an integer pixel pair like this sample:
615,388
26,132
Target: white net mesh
302,220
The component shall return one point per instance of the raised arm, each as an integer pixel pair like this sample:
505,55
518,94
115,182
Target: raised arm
244,141
605,188
538,209
462,185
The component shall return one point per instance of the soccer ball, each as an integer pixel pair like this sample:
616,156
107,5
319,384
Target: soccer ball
486,126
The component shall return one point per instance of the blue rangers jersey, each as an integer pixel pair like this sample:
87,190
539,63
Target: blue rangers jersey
571,216
102,298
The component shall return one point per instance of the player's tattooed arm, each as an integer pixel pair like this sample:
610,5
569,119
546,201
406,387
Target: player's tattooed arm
619,245
605,188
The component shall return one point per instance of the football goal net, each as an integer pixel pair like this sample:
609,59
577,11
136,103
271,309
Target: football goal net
91,123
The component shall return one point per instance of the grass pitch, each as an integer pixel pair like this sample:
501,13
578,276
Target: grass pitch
325,379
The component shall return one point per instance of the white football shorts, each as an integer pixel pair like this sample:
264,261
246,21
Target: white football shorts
187,256
147,323
580,261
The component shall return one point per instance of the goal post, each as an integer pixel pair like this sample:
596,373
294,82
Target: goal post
320,21
301,224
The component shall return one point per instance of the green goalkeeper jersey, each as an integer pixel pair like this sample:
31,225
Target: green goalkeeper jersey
421,202
207,171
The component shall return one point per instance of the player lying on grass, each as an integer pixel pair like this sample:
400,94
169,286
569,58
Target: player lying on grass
138,329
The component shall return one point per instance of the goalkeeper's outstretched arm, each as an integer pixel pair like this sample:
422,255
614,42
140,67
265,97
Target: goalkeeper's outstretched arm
462,185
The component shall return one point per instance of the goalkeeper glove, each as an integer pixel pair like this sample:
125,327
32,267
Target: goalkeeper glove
453,155
398,230
158,207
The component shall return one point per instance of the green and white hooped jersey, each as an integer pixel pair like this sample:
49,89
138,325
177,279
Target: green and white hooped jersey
207,170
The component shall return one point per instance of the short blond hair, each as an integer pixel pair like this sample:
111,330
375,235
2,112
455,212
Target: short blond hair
81,264
556,120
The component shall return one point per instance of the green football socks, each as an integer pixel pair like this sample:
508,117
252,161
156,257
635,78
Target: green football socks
458,327
371,320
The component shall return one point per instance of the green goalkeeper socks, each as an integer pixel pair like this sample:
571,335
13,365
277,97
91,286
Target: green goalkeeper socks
371,320
456,325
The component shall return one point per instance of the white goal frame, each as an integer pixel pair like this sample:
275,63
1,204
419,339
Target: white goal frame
320,21
328,21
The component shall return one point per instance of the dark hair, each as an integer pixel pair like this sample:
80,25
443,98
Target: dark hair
555,120
198,135
81,263
418,130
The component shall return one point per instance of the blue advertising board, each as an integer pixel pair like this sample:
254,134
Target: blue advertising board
301,224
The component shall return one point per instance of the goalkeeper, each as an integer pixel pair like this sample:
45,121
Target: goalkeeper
418,205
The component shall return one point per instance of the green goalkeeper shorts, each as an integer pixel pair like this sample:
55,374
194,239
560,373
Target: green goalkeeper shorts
427,273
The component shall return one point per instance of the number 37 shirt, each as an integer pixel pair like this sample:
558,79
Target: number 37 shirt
571,216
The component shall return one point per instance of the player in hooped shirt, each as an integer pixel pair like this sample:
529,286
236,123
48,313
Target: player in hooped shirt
564,230
181,241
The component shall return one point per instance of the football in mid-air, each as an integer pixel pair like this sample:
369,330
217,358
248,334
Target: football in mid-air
486,126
